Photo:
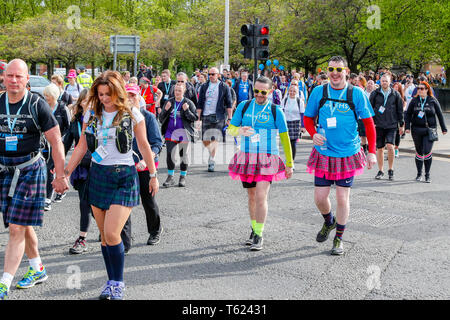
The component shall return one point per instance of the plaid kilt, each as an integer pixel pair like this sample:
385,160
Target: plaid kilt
245,165
332,168
26,207
294,129
117,184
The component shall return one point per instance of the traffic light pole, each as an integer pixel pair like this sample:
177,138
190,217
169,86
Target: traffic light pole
255,69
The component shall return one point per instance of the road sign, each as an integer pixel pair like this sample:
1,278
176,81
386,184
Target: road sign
125,44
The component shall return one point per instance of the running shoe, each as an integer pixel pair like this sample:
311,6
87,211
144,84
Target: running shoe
379,175
338,248
107,291
182,182
3,291
419,177
325,231
48,205
257,243
154,239
391,175
117,290
31,278
59,197
79,247
249,242
211,167
170,182
427,178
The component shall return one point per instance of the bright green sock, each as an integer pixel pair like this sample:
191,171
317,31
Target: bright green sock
259,227
253,224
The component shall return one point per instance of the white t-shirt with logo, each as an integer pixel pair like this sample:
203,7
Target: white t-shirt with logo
212,97
114,157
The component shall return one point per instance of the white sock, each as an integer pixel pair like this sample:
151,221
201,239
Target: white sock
36,264
7,279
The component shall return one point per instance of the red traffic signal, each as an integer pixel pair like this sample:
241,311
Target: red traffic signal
264,31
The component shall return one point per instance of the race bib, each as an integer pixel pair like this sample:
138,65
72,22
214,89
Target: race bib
332,123
255,138
11,143
99,154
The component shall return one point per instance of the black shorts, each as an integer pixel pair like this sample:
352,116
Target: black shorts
385,136
212,131
249,185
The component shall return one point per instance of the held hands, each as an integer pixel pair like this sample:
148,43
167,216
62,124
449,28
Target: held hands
246,131
60,184
371,161
318,139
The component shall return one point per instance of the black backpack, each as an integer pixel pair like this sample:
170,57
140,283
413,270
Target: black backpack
273,107
349,100
44,145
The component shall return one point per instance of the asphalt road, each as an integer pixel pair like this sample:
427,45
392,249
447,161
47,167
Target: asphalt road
396,243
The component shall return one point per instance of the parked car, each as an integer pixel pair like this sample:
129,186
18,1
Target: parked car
38,83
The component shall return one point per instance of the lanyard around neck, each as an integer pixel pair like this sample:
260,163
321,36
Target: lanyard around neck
259,113
332,104
13,124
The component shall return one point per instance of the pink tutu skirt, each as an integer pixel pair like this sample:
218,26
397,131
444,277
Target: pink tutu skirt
253,167
336,168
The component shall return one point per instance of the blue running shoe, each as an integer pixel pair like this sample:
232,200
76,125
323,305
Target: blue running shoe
31,278
107,291
3,291
118,288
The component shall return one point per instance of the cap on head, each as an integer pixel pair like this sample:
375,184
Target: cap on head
132,88
72,74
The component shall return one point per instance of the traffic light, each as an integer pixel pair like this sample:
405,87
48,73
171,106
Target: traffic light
247,40
262,41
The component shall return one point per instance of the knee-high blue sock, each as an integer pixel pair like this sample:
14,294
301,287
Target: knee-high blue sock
109,269
117,258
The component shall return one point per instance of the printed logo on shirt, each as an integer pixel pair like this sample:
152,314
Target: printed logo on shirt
263,117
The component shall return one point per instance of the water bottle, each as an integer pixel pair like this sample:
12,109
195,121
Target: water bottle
322,133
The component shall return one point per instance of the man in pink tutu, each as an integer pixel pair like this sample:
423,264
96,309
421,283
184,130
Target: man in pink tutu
258,162
337,156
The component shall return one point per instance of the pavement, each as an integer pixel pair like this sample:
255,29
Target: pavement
397,244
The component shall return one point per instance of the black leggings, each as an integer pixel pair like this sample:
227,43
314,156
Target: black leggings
50,178
85,208
183,151
294,148
424,146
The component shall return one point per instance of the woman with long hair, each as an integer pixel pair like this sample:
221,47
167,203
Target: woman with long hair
113,188
420,116
79,177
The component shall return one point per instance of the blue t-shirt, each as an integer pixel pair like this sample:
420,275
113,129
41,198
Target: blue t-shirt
243,91
260,118
342,141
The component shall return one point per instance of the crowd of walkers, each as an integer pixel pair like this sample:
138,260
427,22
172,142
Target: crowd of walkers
116,126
